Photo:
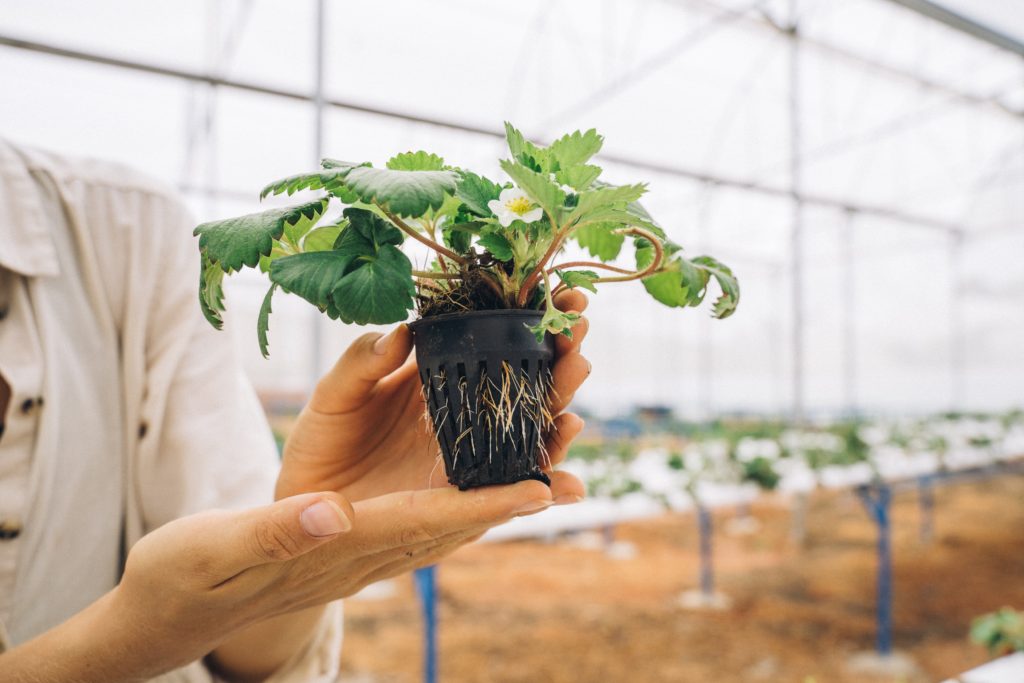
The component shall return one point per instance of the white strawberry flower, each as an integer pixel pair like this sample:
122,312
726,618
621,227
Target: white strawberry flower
514,204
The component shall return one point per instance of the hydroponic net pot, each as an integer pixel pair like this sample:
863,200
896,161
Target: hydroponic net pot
487,385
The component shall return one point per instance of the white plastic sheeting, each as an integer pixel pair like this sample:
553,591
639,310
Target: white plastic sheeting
896,112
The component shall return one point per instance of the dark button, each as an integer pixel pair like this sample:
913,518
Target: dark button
27,405
9,529
39,401
3,312
143,428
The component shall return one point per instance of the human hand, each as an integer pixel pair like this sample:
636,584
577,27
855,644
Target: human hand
364,433
195,582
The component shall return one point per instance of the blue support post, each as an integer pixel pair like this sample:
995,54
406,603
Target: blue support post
926,502
608,535
877,498
426,586
707,577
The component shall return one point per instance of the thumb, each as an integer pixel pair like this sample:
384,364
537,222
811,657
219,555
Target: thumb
369,359
285,530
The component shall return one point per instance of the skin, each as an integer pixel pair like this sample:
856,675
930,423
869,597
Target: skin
245,588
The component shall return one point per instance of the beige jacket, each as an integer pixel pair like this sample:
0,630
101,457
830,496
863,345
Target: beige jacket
128,410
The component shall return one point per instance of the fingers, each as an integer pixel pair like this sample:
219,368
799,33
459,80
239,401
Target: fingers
368,360
410,518
568,374
571,300
564,345
567,488
566,428
277,533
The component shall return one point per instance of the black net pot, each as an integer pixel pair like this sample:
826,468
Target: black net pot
486,382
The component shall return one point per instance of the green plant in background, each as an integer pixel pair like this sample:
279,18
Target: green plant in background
1001,632
494,245
761,471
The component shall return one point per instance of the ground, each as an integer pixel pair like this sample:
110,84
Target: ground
562,613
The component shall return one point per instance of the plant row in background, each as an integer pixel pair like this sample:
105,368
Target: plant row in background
767,455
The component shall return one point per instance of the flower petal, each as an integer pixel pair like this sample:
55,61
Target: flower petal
506,218
508,194
496,206
532,215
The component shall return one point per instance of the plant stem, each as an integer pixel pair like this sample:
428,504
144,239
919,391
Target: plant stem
493,284
655,264
421,238
434,275
588,264
538,271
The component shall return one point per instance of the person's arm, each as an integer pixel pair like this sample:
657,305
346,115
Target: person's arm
264,648
200,581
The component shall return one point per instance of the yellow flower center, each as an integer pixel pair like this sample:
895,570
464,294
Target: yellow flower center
519,205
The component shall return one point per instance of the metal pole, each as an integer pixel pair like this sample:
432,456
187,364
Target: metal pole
426,585
957,355
848,287
319,28
877,499
796,236
707,576
705,348
673,170
926,502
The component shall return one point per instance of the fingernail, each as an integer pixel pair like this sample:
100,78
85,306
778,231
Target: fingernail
590,366
324,518
532,507
567,499
380,347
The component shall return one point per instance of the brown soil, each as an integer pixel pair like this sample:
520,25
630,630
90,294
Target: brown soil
557,613
472,293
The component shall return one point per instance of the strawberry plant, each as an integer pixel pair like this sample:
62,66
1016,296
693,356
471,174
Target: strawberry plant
496,264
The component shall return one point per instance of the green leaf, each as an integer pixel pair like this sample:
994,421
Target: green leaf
525,152
211,293
312,275
725,305
327,163
578,278
415,161
555,322
576,148
379,292
456,239
610,198
578,177
405,193
678,283
475,191
367,232
498,245
292,184
234,242
537,185
323,238
328,279
263,321
601,240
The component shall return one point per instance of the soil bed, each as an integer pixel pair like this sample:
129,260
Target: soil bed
558,613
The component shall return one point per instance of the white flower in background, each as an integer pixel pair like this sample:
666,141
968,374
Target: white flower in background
514,204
